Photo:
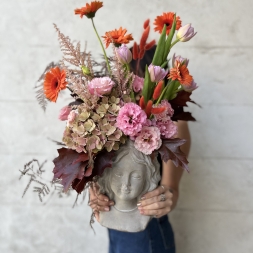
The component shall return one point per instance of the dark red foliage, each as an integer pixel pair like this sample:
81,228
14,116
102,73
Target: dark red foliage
170,150
178,105
69,165
103,160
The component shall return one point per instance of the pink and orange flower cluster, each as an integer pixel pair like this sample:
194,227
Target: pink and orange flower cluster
122,103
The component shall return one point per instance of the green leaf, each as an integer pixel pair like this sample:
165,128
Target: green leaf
169,38
171,90
159,52
148,86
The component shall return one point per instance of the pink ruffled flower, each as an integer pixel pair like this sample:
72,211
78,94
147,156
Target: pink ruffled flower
179,59
124,55
167,128
100,86
131,119
64,113
156,73
191,87
138,83
148,140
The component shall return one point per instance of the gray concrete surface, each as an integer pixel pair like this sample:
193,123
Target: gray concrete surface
215,210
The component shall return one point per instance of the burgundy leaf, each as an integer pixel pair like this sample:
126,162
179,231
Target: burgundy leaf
182,98
69,165
180,114
170,150
103,160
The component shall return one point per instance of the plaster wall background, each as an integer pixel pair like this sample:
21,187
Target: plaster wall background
215,210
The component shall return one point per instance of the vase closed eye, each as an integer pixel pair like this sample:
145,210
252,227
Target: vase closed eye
132,175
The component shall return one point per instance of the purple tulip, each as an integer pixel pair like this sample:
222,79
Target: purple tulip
185,33
124,55
156,73
180,59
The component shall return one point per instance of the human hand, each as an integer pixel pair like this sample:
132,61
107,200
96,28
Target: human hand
98,202
158,202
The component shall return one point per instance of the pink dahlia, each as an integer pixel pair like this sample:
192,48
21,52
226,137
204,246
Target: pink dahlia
148,140
100,86
131,119
138,83
64,113
167,128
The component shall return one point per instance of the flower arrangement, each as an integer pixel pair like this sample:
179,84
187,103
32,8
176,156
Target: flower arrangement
121,100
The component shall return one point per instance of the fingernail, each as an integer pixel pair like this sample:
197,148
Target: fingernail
89,204
143,197
106,200
141,212
139,203
140,207
107,208
111,203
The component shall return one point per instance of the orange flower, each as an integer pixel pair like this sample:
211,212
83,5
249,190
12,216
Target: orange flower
166,19
181,73
117,37
89,10
54,82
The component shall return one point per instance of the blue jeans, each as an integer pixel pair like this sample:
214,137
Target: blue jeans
158,237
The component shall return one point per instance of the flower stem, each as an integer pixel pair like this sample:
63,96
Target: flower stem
174,43
101,44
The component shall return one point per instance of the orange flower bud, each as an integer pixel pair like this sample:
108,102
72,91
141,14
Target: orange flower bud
146,24
158,90
149,108
158,110
142,103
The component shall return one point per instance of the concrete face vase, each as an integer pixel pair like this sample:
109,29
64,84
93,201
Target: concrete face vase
132,175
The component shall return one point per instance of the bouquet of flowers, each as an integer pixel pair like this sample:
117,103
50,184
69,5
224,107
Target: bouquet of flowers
119,99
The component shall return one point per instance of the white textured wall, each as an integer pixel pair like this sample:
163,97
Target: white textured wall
215,210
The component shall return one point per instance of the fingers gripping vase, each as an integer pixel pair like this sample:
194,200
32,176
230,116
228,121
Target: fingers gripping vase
132,175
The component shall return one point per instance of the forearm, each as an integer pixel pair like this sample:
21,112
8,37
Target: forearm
171,174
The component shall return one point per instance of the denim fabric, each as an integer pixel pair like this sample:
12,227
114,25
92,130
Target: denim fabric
158,237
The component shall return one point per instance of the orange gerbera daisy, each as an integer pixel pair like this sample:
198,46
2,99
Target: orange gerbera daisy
117,37
89,10
54,82
166,19
181,73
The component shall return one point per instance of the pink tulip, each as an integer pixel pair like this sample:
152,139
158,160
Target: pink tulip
180,59
156,73
138,83
124,55
64,113
185,33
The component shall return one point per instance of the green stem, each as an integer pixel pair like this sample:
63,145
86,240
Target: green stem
101,44
161,96
174,43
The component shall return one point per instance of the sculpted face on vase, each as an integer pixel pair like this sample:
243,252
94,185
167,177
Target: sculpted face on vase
131,175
